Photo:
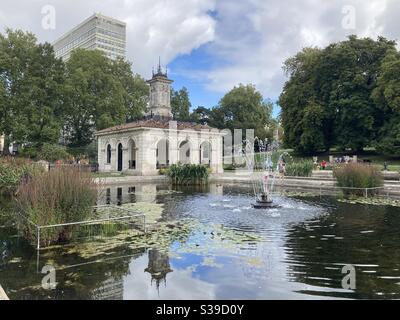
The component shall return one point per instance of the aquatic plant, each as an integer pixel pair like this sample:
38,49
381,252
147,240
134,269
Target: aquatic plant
185,174
359,177
60,196
299,169
372,201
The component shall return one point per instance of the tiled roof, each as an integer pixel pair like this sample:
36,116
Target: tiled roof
152,123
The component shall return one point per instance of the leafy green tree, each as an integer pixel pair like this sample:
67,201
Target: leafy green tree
243,108
136,90
31,81
180,104
353,67
53,152
339,80
295,98
201,115
387,97
94,96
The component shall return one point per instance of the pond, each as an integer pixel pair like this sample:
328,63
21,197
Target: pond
210,243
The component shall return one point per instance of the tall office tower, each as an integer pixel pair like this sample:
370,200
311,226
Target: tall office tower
96,32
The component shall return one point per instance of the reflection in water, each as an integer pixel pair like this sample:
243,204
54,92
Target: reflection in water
211,244
158,267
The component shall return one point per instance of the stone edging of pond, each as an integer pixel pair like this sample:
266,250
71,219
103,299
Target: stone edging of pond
392,188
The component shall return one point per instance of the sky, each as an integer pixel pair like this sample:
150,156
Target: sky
210,46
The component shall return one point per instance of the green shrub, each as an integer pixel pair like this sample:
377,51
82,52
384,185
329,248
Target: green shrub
300,169
185,174
13,171
53,152
354,175
89,151
60,196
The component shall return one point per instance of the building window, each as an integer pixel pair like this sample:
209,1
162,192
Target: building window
108,154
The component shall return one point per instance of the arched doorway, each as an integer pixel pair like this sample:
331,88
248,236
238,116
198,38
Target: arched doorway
205,153
108,154
162,153
132,154
119,168
184,152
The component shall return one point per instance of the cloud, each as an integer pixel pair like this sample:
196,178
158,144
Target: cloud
244,40
165,28
255,37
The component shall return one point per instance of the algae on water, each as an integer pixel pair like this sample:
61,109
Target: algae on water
372,201
152,211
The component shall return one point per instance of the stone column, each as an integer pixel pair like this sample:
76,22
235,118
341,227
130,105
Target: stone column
216,155
146,156
194,150
125,159
173,143
101,155
114,158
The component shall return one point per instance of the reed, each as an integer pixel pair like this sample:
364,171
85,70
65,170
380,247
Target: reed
299,169
354,175
59,196
188,174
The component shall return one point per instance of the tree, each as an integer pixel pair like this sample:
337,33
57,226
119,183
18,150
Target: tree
30,91
387,97
94,96
243,108
180,104
136,90
297,94
201,115
339,79
353,69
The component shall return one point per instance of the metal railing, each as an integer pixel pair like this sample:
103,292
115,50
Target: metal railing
80,167
128,215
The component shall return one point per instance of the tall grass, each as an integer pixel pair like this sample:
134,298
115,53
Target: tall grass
354,175
188,174
60,196
299,169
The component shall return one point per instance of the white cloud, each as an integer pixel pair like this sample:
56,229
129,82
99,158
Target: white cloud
248,39
255,38
165,28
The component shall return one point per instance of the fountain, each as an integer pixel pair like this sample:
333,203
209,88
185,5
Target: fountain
262,170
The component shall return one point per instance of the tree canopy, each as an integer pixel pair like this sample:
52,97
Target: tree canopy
243,108
43,99
31,82
386,95
328,101
180,104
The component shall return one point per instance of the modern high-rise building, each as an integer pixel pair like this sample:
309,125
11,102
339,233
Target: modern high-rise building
96,32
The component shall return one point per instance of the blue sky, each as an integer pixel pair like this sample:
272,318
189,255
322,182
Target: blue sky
180,71
184,71
212,45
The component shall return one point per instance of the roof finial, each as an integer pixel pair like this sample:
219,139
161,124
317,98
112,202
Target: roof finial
159,64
